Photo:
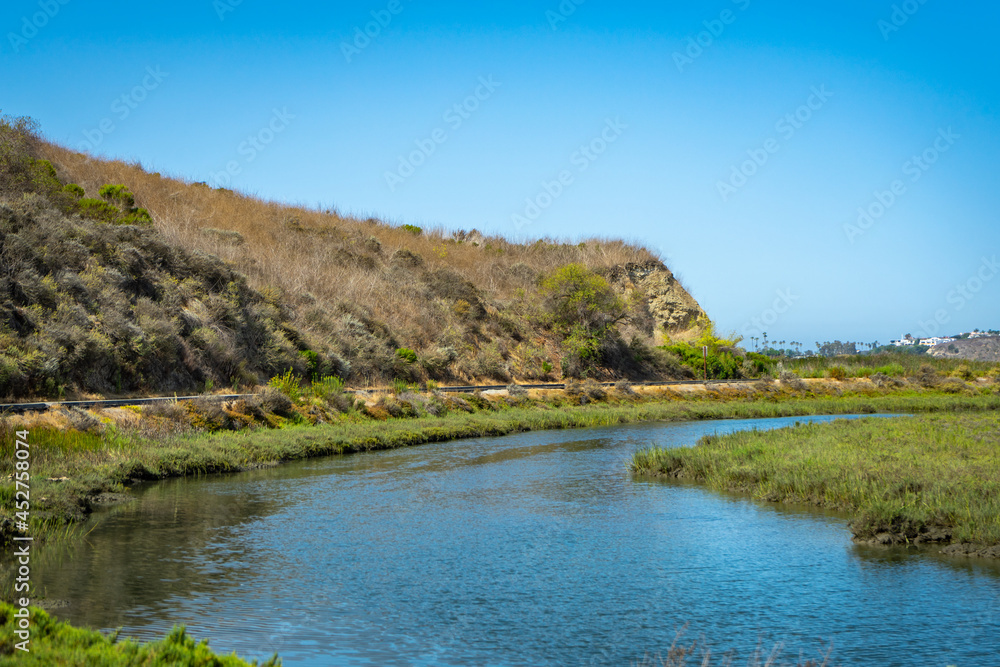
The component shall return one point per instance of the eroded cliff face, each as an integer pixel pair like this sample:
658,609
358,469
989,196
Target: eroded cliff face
674,311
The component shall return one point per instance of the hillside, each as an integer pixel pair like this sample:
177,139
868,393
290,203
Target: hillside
118,280
973,349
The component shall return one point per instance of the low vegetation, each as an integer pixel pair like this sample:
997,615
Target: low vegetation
154,284
892,364
56,643
926,478
80,458
121,281
712,357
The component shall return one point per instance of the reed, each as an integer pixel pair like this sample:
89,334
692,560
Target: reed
923,478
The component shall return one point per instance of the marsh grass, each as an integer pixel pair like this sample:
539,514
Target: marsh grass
898,364
912,479
69,467
56,643
72,473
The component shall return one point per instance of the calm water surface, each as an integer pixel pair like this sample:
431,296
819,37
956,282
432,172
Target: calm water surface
534,549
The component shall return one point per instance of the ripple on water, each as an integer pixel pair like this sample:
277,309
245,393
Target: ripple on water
531,549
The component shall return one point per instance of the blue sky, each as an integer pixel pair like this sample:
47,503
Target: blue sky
738,139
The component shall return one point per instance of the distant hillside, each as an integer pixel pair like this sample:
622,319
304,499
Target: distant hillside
120,280
973,349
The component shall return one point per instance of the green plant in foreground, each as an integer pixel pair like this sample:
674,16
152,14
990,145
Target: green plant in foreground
57,643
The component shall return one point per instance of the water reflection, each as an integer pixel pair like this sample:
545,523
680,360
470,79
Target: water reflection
531,549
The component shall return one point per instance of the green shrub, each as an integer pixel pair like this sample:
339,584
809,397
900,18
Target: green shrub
75,190
96,209
836,373
328,386
118,195
577,297
582,351
288,384
964,372
312,362
116,206
227,235
725,361
582,306
413,229
722,365
892,370
407,355
757,364
139,216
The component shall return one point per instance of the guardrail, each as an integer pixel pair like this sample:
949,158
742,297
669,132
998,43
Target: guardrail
113,403
464,389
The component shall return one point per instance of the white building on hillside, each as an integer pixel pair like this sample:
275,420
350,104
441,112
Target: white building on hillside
936,340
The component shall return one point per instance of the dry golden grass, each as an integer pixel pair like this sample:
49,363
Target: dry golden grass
325,265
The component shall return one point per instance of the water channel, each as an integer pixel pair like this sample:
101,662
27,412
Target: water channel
532,549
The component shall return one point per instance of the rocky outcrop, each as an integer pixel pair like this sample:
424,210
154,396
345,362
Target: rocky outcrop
674,311
973,349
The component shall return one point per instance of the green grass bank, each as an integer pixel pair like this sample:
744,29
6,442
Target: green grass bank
930,478
56,643
73,472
